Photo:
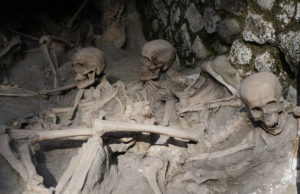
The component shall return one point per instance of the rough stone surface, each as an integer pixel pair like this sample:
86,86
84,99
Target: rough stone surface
265,4
162,11
184,37
234,6
220,22
240,54
265,62
220,48
288,7
289,43
174,16
292,95
155,25
297,14
287,10
199,49
194,18
258,30
210,20
228,29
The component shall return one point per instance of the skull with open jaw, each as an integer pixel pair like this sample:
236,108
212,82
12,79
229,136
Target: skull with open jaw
261,93
87,64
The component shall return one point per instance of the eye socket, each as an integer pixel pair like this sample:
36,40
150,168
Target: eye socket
256,112
271,107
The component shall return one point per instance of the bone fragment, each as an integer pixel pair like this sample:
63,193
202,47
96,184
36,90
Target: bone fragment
45,49
150,173
35,39
78,97
36,136
35,181
87,155
6,152
170,105
76,177
219,154
208,68
26,159
28,93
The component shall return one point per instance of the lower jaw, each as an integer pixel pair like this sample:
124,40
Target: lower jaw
84,83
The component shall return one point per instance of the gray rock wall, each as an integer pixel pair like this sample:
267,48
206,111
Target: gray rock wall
257,35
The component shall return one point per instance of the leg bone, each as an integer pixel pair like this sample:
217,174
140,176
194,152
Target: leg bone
150,173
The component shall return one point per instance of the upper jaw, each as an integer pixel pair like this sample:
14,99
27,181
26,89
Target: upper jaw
277,128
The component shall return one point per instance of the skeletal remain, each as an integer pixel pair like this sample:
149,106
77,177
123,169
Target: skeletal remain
108,92
78,97
45,42
179,78
24,167
75,177
150,173
202,91
170,107
6,152
157,55
35,181
219,154
221,70
142,112
87,64
101,127
35,39
14,91
261,93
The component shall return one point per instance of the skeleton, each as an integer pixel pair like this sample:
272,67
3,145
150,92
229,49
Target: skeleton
88,63
257,92
202,92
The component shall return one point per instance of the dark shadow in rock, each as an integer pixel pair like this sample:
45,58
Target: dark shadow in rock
49,180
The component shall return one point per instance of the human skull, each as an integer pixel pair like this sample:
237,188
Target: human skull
87,64
261,93
157,55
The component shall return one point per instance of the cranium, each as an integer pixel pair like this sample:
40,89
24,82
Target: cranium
87,64
261,93
157,55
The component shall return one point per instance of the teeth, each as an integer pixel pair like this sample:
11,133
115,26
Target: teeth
271,125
